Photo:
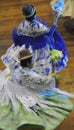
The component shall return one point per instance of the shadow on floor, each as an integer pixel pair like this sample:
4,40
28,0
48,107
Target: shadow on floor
30,127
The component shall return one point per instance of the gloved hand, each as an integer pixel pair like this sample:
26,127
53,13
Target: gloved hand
56,55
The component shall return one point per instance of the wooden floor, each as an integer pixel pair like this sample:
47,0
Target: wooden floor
11,16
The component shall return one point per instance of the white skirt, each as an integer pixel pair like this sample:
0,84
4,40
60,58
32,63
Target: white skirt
20,105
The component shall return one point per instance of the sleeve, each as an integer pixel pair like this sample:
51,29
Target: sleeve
61,46
10,58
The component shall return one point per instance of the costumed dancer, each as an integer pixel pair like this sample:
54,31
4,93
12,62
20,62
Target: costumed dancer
27,97
42,40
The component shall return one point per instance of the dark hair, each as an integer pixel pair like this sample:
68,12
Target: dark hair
24,63
31,18
29,11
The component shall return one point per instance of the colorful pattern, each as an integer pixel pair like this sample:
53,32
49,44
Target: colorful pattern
27,97
40,43
49,117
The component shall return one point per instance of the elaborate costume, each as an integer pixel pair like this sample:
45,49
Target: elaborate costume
27,97
27,91
42,40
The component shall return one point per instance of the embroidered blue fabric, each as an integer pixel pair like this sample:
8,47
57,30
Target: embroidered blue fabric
53,38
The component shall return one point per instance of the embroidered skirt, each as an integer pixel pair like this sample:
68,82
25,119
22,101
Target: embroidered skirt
20,106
